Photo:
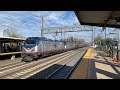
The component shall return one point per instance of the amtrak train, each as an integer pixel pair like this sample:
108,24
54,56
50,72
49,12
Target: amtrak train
34,47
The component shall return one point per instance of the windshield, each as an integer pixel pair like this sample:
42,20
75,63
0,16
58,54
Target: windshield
30,42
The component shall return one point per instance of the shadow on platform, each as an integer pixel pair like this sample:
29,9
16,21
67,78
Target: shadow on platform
93,70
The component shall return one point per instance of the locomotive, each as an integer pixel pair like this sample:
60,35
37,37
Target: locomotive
35,47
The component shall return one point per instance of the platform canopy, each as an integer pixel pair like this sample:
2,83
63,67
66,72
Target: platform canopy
99,18
10,39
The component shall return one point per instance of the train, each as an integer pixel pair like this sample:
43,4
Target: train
35,47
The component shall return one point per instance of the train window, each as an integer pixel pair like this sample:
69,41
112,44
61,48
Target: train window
30,42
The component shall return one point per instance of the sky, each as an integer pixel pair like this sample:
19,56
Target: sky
28,23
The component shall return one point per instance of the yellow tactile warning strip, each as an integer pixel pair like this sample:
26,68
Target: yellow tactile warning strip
94,66
81,70
1,54
89,53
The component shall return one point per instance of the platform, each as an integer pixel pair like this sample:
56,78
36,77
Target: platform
10,55
96,65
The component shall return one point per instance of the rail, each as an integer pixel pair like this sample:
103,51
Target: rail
75,66
71,71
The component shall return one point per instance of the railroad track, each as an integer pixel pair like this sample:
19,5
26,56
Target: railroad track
45,65
22,71
73,59
9,65
65,70
42,67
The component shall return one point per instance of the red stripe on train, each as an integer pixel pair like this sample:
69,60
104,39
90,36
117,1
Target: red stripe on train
43,51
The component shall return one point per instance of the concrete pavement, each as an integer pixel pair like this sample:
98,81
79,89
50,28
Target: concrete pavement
96,65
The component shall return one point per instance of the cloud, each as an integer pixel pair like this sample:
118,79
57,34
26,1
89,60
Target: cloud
60,18
29,22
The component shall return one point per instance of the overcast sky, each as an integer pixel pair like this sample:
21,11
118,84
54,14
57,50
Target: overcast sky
28,23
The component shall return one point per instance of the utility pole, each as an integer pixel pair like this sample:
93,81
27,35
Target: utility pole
92,38
105,40
118,47
104,29
93,32
41,25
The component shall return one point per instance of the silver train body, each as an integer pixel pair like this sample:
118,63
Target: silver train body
34,47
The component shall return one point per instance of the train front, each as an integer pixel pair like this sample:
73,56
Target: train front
30,49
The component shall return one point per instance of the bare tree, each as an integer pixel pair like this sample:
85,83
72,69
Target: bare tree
13,34
72,39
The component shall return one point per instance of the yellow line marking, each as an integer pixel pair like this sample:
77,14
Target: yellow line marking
88,53
10,53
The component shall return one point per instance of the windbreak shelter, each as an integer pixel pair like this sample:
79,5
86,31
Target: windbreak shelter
7,40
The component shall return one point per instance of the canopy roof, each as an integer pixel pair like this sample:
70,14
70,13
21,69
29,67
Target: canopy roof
10,39
99,18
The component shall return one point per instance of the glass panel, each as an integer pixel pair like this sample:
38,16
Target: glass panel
30,42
